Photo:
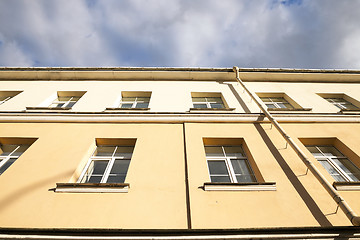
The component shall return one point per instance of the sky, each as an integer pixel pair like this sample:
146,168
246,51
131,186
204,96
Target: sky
314,34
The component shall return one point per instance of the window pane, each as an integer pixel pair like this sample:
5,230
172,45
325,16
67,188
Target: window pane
128,99
143,99
240,167
7,165
330,151
199,99
116,179
99,167
104,151
270,106
57,105
124,152
215,100
214,151
142,105
349,168
93,179
234,151
216,105
223,179
217,167
200,105
7,149
126,105
70,104
120,167
332,171
245,178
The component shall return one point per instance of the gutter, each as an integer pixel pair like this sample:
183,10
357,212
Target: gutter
354,219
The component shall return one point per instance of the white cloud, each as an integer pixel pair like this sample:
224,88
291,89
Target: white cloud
267,33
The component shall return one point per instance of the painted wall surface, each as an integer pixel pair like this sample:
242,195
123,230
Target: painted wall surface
304,94
156,198
167,96
289,206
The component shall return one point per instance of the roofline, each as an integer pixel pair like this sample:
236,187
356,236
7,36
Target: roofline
180,69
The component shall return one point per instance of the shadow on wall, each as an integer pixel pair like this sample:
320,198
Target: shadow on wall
6,201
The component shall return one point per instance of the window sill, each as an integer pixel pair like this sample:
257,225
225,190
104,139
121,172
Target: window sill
212,109
289,109
347,186
127,109
92,187
345,111
48,108
251,186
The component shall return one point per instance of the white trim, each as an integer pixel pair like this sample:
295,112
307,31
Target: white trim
347,187
250,187
124,189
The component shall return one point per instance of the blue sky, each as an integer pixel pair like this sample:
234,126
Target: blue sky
180,33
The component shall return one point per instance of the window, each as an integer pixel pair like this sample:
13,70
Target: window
135,100
335,163
276,102
66,99
7,95
9,153
207,101
108,164
228,164
342,103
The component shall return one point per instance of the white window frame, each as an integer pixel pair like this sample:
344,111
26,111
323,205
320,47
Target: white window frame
133,102
207,102
228,164
66,103
341,104
111,160
330,160
277,103
6,158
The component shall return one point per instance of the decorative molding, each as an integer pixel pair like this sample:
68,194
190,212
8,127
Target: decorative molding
267,186
92,187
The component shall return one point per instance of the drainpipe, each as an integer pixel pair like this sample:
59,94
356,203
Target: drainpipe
354,219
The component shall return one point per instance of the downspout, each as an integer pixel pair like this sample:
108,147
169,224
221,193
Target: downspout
354,219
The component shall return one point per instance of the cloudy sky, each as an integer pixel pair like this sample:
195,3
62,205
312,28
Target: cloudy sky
180,33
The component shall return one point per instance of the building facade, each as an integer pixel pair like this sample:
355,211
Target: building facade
173,153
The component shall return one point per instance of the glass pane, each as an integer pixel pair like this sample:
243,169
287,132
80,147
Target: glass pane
200,105
116,179
124,152
104,151
59,105
70,104
214,151
349,106
93,179
128,99
64,99
7,149
199,99
241,167
271,106
217,167
143,99
245,178
142,105
215,100
332,171
120,167
7,165
349,168
98,167
126,105
216,105
234,152
330,151
223,179
265,99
